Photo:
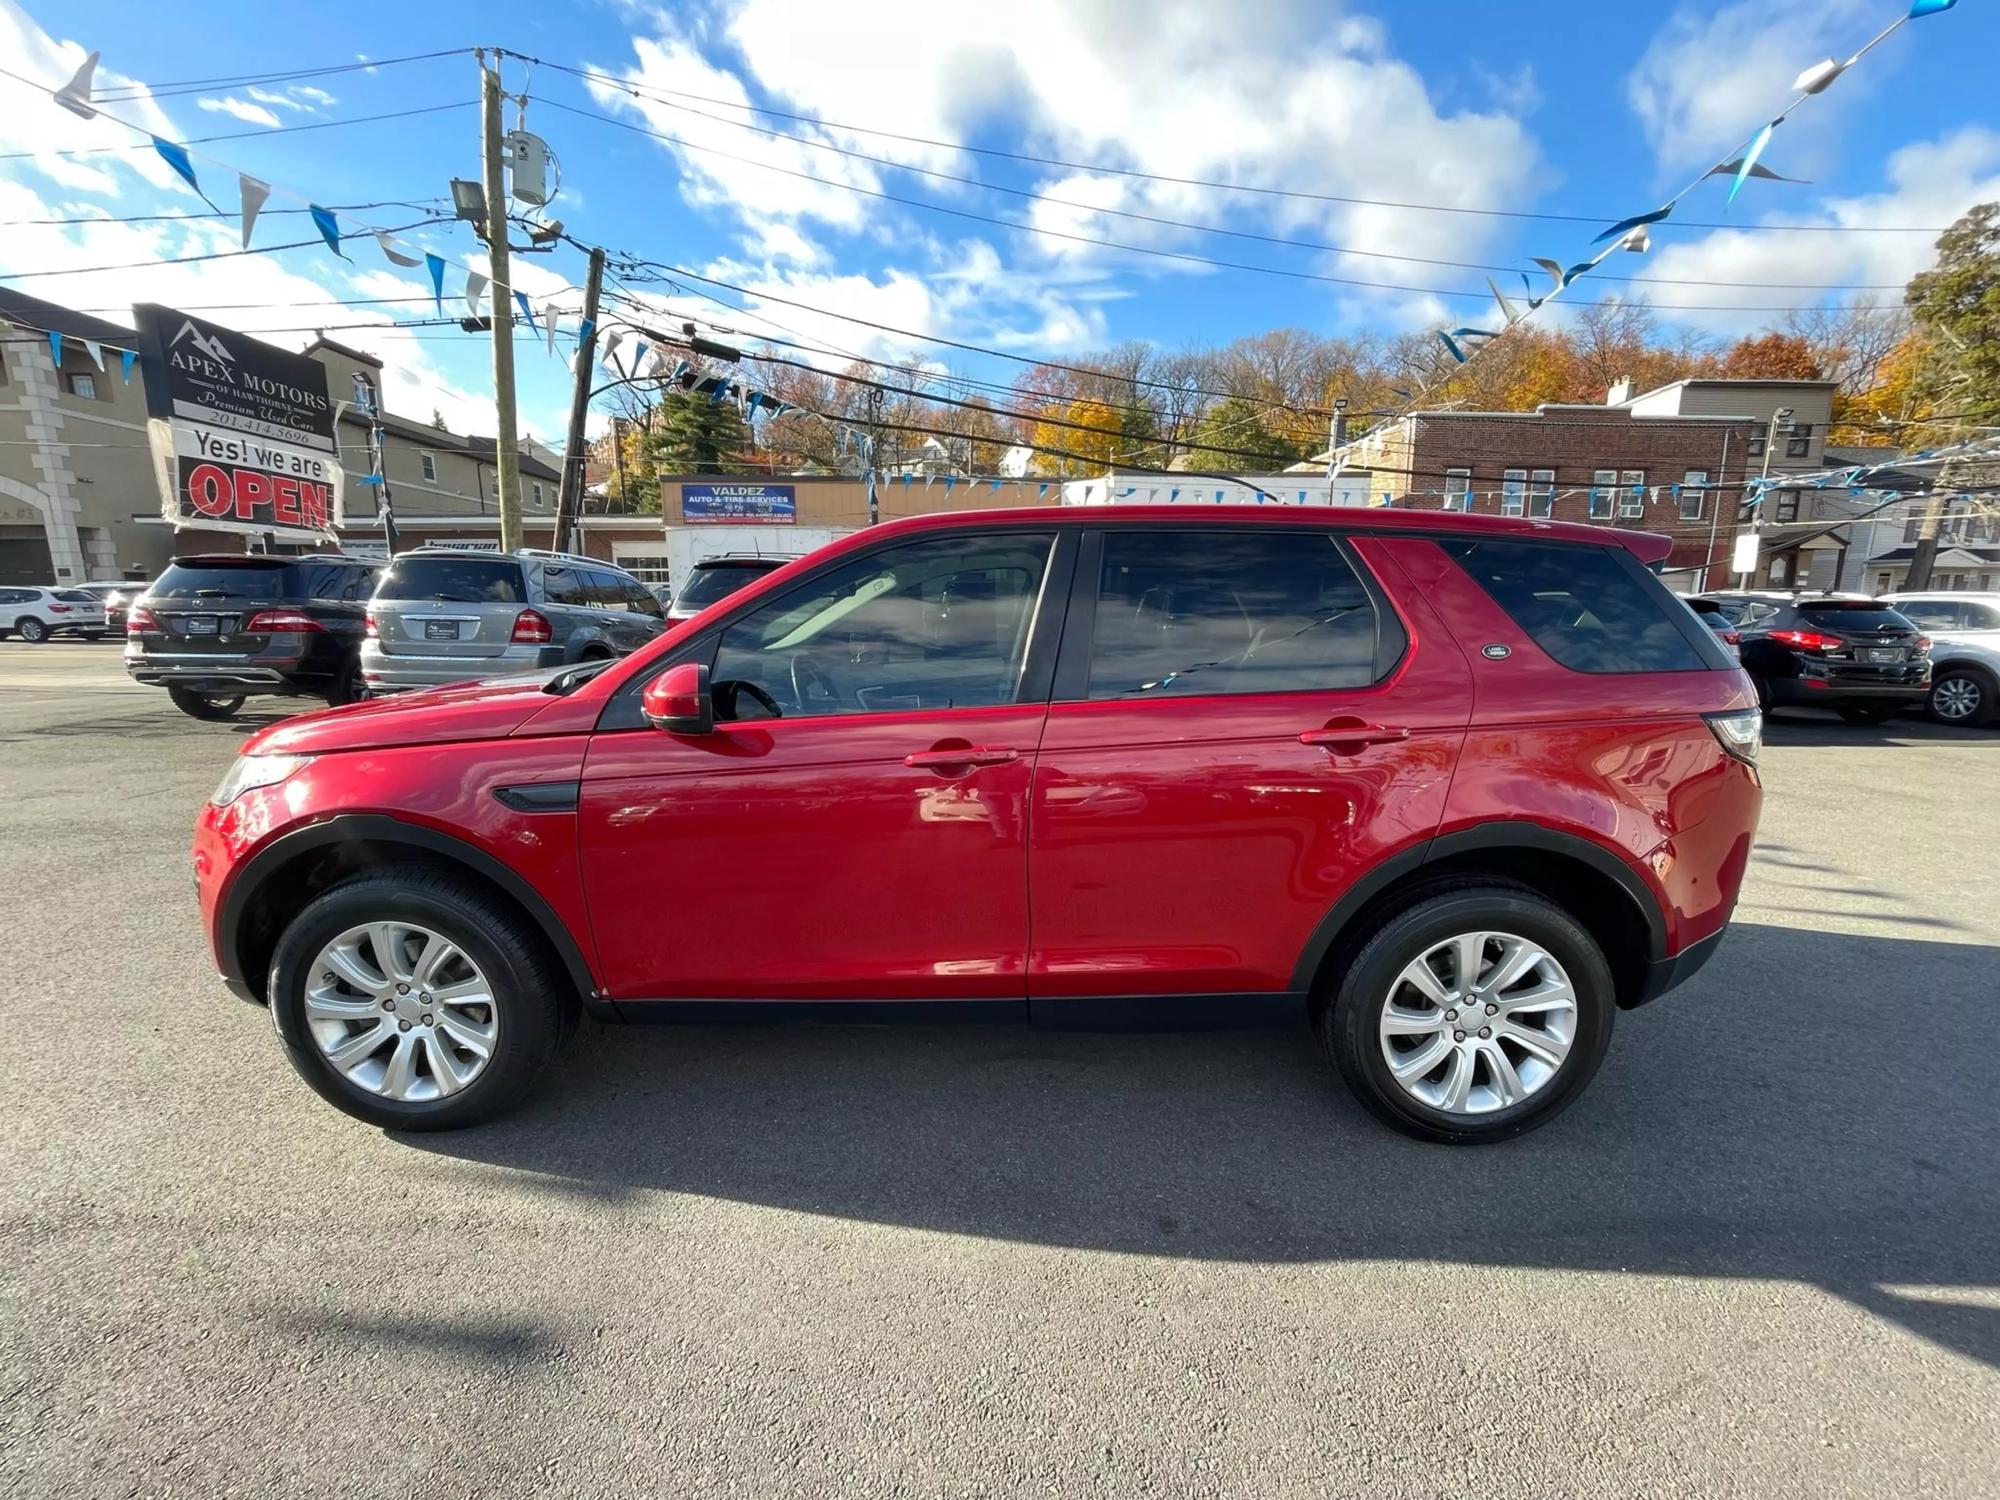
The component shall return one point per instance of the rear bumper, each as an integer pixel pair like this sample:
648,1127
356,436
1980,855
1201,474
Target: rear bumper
385,673
1663,974
260,674
1806,692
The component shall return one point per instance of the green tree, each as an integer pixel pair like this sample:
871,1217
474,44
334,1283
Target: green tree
694,435
1957,303
1232,435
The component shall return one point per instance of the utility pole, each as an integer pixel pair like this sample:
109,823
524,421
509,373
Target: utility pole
1924,559
1783,415
377,455
868,454
569,497
506,449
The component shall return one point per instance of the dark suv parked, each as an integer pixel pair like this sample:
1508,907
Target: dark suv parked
215,630
1456,787
1856,656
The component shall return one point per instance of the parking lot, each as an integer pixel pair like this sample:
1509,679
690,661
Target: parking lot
1761,1256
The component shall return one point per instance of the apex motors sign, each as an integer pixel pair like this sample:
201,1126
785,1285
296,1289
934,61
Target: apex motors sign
775,504
243,434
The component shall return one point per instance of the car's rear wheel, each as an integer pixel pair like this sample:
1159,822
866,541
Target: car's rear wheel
33,631
1473,1014
1960,695
1870,713
203,705
416,1001
349,687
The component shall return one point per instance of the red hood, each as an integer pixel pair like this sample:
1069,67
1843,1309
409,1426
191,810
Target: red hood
487,710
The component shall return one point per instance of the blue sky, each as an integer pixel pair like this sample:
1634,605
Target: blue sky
1585,110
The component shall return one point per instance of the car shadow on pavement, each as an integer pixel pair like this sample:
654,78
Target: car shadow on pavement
1816,728
1813,1107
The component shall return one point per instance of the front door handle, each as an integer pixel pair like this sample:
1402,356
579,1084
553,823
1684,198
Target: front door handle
1342,735
959,755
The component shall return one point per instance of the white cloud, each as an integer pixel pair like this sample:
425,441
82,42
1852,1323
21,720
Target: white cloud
1929,183
314,98
1708,79
300,97
36,125
242,109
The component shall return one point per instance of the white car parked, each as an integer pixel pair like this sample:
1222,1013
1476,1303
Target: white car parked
1965,651
36,614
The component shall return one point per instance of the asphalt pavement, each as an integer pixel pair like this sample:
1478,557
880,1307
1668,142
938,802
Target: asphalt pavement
1760,1257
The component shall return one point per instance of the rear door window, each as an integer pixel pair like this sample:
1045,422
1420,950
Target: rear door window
453,580
564,585
1196,612
1592,608
606,592
1932,614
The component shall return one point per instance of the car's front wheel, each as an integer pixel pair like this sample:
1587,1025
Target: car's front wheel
416,1001
1473,1014
1960,695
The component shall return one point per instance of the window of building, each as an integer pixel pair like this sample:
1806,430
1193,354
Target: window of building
1632,493
1602,483
1756,445
1882,583
430,464
1781,569
927,625
1788,505
82,384
1513,492
536,491
1458,489
1911,527
647,567
1694,486
1542,492
1799,443
1189,613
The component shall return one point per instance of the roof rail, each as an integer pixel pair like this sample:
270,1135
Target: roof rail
575,557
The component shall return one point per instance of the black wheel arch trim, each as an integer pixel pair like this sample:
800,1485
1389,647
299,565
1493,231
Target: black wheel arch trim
379,828
1509,833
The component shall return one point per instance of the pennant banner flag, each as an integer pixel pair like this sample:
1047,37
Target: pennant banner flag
252,193
1918,8
584,330
126,359
1626,226
96,352
1755,169
551,345
996,487
435,265
74,96
394,256
949,481
611,342
55,347
328,227
527,312
475,288
1456,353
177,158
1750,158
1041,492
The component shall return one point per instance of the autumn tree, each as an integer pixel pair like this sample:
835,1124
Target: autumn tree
1771,356
1957,304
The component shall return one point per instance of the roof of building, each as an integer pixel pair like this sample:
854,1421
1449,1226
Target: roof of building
1948,555
483,448
51,317
321,341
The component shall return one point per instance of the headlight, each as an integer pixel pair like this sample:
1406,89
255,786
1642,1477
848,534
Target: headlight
253,771
1741,733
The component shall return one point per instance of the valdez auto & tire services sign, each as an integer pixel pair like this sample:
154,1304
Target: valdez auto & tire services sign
243,434
773,504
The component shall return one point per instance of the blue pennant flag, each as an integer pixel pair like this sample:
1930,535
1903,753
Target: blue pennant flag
436,265
1921,8
1626,226
721,389
126,359
369,478
177,158
996,487
1750,160
1456,352
583,332
906,481
55,347
328,227
528,314
1041,492
1173,495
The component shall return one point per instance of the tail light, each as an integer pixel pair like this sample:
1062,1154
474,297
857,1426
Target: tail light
140,620
368,628
1808,640
266,621
532,627
58,609
1922,646
1740,733
1731,638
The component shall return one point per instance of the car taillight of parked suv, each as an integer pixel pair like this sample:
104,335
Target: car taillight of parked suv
1457,788
441,616
215,630
1858,657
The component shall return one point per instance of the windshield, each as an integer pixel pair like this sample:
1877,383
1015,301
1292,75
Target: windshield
1854,614
258,580
718,581
460,580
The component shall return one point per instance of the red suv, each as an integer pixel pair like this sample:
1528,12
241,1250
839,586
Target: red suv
1458,788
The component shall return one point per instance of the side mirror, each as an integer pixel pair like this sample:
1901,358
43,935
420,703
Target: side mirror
678,700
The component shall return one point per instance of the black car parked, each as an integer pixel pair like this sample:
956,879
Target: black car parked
1856,656
215,630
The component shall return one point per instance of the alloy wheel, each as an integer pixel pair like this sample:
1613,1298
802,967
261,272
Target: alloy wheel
1957,699
1478,1022
401,1011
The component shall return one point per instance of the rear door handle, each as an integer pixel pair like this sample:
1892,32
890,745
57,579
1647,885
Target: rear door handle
1337,735
962,755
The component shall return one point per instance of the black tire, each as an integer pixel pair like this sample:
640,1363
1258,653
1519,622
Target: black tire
31,630
1348,1024
1869,713
349,687
533,1000
1763,695
1972,699
202,705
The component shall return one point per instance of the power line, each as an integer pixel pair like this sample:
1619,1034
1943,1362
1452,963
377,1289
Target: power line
654,92
86,219
188,260
1185,257
1241,234
232,135
136,90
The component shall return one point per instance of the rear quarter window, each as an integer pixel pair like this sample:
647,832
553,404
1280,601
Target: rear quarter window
1592,608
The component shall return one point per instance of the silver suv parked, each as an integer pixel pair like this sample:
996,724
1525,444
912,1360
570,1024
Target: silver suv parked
440,615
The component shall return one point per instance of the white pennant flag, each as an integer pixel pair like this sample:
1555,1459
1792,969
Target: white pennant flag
395,256
611,342
74,96
475,288
549,317
95,351
253,194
